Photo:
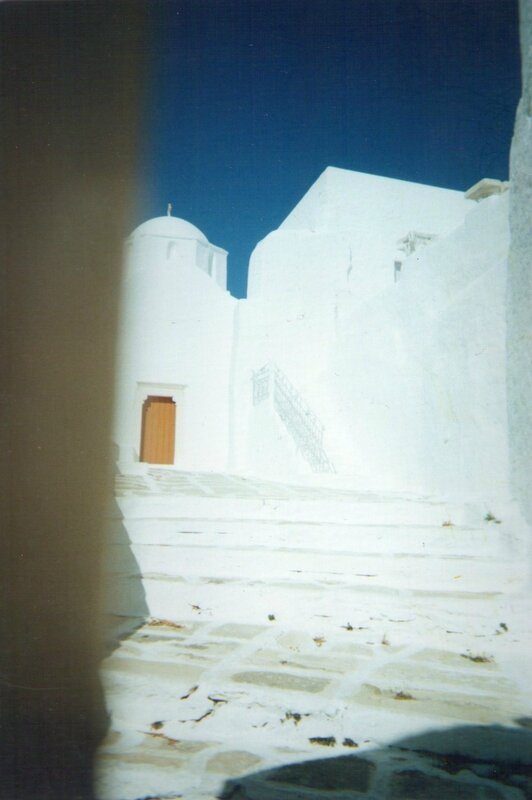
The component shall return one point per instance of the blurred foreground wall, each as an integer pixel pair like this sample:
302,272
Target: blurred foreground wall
69,103
519,307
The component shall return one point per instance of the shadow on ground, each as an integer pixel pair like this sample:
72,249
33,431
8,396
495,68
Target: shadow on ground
460,763
125,599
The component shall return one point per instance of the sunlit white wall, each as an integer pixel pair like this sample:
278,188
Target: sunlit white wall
175,339
404,369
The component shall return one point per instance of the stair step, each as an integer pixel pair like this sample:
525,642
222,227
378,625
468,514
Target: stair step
301,551
296,601
374,511
340,567
328,538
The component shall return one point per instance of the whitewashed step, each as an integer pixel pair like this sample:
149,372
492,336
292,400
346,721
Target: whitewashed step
488,540
414,571
235,552
371,511
297,602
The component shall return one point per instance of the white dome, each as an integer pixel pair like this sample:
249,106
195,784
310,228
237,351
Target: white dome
171,227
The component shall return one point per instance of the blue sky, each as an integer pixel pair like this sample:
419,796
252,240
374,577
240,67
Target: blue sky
248,101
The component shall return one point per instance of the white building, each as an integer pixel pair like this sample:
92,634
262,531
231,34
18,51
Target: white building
369,353
176,347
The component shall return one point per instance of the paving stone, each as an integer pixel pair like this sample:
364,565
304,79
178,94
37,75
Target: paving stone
421,675
190,747
151,670
524,782
280,680
319,778
332,774
355,649
210,649
476,747
161,577
450,659
436,704
140,758
276,658
303,642
484,770
151,750
169,629
148,639
233,762
238,631
413,784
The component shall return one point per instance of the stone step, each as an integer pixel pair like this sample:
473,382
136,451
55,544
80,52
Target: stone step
435,573
373,510
369,610
298,556
487,540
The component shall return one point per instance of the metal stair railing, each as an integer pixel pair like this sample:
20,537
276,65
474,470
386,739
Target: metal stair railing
302,424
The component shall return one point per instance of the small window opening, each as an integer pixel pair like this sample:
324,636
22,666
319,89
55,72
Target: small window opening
396,270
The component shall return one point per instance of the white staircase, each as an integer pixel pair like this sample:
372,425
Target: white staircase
287,623
248,550
299,420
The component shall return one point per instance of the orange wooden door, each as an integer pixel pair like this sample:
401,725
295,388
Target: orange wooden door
158,430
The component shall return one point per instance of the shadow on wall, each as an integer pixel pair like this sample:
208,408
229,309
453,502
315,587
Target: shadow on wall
461,763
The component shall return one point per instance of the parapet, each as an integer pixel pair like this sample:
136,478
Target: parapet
485,188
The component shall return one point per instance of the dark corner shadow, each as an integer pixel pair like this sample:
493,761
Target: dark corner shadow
125,606
466,762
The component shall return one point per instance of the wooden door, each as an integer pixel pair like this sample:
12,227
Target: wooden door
158,430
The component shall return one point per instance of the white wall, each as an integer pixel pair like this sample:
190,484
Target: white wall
421,370
297,339
346,232
176,339
408,378
519,311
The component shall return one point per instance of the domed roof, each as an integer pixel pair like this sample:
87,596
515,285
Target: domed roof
172,227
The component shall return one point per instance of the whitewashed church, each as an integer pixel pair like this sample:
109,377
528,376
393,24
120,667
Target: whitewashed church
369,353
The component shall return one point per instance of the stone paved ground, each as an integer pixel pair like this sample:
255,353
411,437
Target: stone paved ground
396,694
197,704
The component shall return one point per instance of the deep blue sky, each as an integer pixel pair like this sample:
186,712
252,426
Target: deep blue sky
249,100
